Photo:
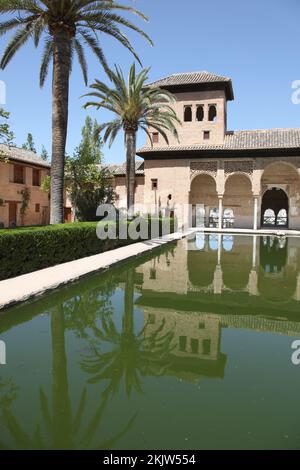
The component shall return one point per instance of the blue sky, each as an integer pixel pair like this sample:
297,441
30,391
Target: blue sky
256,43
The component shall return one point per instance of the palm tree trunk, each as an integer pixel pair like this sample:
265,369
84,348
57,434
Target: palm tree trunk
60,385
128,320
60,103
130,170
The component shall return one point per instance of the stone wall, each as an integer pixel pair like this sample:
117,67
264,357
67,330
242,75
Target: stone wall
192,132
10,191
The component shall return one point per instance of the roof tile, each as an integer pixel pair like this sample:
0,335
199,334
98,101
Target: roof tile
189,78
22,155
242,140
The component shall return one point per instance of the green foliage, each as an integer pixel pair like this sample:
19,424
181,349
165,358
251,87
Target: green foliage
27,249
83,20
88,182
6,135
29,144
25,194
134,105
89,151
44,154
45,184
88,201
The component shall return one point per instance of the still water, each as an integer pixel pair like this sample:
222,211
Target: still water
188,349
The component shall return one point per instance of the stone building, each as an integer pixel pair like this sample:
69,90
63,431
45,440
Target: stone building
21,170
245,179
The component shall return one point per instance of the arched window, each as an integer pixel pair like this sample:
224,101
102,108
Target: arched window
213,217
200,113
212,113
213,241
187,114
228,242
200,241
228,218
269,217
282,217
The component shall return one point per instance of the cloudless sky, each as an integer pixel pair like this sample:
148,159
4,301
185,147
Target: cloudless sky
254,42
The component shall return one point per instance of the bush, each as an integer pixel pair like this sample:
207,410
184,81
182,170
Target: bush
27,249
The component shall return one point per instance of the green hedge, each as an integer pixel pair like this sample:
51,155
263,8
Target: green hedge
27,249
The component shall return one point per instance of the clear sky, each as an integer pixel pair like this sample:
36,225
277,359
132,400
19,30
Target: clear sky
255,42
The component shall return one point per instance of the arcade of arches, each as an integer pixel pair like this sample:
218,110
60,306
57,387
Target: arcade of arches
247,194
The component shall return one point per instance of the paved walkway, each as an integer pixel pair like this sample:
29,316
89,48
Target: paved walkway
21,288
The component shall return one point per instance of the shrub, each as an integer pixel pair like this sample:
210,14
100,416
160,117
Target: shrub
27,249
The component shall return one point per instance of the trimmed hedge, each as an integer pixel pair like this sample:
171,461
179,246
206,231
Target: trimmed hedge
27,249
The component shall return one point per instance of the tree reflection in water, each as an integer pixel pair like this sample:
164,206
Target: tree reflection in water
58,428
133,355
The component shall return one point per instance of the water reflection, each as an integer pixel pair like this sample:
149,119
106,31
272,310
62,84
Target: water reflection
244,264
160,317
132,354
58,427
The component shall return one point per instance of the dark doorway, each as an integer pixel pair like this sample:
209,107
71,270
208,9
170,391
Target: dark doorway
274,208
12,214
273,254
68,215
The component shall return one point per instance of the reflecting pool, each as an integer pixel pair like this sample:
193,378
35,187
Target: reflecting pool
189,348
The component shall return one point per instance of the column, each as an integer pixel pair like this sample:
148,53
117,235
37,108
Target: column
219,248
220,211
255,213
218,280
254,251
253,277
253,282
207,212
297,292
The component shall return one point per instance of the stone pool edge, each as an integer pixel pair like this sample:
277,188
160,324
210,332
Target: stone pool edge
29,286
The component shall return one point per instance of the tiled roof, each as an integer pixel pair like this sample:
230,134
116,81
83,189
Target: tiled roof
22,155
120,170
190,78
242,140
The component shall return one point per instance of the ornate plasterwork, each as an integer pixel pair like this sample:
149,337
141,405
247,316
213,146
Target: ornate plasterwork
239,166
208,167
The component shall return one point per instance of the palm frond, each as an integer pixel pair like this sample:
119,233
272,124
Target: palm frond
10,24
95,46
82,60
87,18
47,56
18,40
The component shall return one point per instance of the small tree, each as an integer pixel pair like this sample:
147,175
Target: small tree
44,154
87,180
89,199
25,194
29,144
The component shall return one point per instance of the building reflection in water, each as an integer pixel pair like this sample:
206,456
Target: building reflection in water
161,317
210,282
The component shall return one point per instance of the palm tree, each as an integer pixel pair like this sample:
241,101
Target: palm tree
65,25
133,354
135,106
59,428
